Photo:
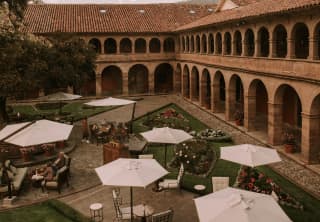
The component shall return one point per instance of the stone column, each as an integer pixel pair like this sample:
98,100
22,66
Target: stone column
233,48
230,103
312,49
244,48
98,84
215,97
310,142
125,83
273,50
249,112
275,124
151,82
257,48
133,45
291,49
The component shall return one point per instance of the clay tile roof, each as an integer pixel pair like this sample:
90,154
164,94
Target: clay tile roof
79,18
260,8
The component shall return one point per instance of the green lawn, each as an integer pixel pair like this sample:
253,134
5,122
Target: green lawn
75,110
226,168
49,211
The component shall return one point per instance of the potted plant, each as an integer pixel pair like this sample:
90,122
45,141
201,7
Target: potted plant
289,142
238,117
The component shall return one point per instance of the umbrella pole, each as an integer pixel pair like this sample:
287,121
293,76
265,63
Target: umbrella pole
165,156
131,204
132,117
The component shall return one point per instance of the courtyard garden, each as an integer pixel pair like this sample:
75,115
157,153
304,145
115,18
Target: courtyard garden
201,160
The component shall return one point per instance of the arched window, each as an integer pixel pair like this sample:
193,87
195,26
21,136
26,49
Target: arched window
263,39
154,45
140,46
280,39
238,43
249,42
204,43
197,44
168,45
183,42
301,41
192,44
95,43
219,43
227,43
125,46
110,46
211,44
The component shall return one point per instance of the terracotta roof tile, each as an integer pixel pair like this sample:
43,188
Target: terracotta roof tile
81,18
266,7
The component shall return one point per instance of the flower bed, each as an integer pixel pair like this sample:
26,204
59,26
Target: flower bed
196,156
214,135
168,118
253,180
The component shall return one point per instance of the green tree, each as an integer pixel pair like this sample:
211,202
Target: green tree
27,64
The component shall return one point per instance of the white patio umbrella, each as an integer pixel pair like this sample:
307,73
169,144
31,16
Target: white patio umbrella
59,96
11,129
250,155
39,132
232,204
110,101
130,173
167,136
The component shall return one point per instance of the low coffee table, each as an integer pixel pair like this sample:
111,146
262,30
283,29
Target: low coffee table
143,211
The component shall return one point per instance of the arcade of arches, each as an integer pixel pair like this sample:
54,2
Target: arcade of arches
267,111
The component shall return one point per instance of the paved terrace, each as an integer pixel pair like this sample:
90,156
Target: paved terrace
85,186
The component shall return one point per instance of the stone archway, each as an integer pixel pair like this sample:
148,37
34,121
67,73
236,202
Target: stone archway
300,36
219,93
110,46
163,78
249,43
238,43
218,43
154,45
263,42
235,97
111,80
125,45
280,41
286,115
311,129
138,79
206,89
186,82
177,81
195,88
211,44
256,118
96,44
227,43
140,46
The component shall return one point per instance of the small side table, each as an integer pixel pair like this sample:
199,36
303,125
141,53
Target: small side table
199,187
96,212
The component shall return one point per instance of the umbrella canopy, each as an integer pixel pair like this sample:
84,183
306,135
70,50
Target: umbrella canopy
130,172
239,205
12,128
60,96
250,155
166,135
110,102
41,131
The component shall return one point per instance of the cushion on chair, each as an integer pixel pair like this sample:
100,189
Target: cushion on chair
169,183
219,183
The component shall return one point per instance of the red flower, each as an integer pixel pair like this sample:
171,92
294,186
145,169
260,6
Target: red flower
269,180
252,180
